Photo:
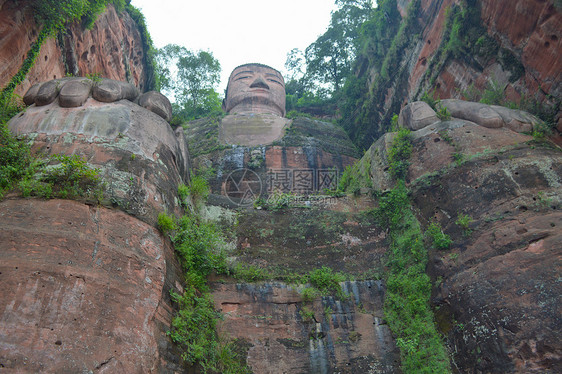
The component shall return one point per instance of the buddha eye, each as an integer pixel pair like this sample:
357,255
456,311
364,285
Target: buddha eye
243,77
274,81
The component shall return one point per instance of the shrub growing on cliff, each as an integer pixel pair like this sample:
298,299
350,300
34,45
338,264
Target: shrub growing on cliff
326,281
198,188
200,250
15,157
399,154
406,307
464,222
436,235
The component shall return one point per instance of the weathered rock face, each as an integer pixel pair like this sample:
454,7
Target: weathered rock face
87,287
141,158
113,48
502,289
84,289
516,44
528,29
346,336
278,329
497,288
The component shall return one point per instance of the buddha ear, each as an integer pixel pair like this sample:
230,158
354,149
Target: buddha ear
224,104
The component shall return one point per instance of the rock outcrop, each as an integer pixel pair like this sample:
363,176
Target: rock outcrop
515,44
86,286
113,48
497,288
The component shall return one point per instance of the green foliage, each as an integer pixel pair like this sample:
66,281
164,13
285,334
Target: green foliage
438,238
406,306
493,94
183,194
276,201
394,126
329,58
153,78
250,273
435,103
15,156
399,154
70,178
326,281
464,221
190,77
200,248
94,77
353,178
194,329
292,114
55,15
443,113
7,92
391,206
384,38
429,98
309,294
198,188
73,178
166,222
307,315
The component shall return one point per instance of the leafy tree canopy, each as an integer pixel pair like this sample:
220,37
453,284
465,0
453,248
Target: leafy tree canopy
190,78
317,74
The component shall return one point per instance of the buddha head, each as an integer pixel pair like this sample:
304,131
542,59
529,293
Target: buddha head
255,88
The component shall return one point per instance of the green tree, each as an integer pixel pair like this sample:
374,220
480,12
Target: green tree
190,78
329,58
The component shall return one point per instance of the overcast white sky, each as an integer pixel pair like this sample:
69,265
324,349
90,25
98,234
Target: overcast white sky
237,31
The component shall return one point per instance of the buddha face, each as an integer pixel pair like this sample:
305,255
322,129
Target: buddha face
255,88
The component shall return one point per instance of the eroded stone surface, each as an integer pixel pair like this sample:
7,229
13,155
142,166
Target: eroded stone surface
156,103
481,114
500,283
497,287
141,158
83,289
113,47
252,129
350,338
417,115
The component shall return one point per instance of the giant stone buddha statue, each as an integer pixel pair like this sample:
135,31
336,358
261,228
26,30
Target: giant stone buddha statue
255,106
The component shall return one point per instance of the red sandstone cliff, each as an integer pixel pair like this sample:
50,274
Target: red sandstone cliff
530,29
514,43
113,48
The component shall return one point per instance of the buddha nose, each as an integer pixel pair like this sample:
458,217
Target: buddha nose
259,83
